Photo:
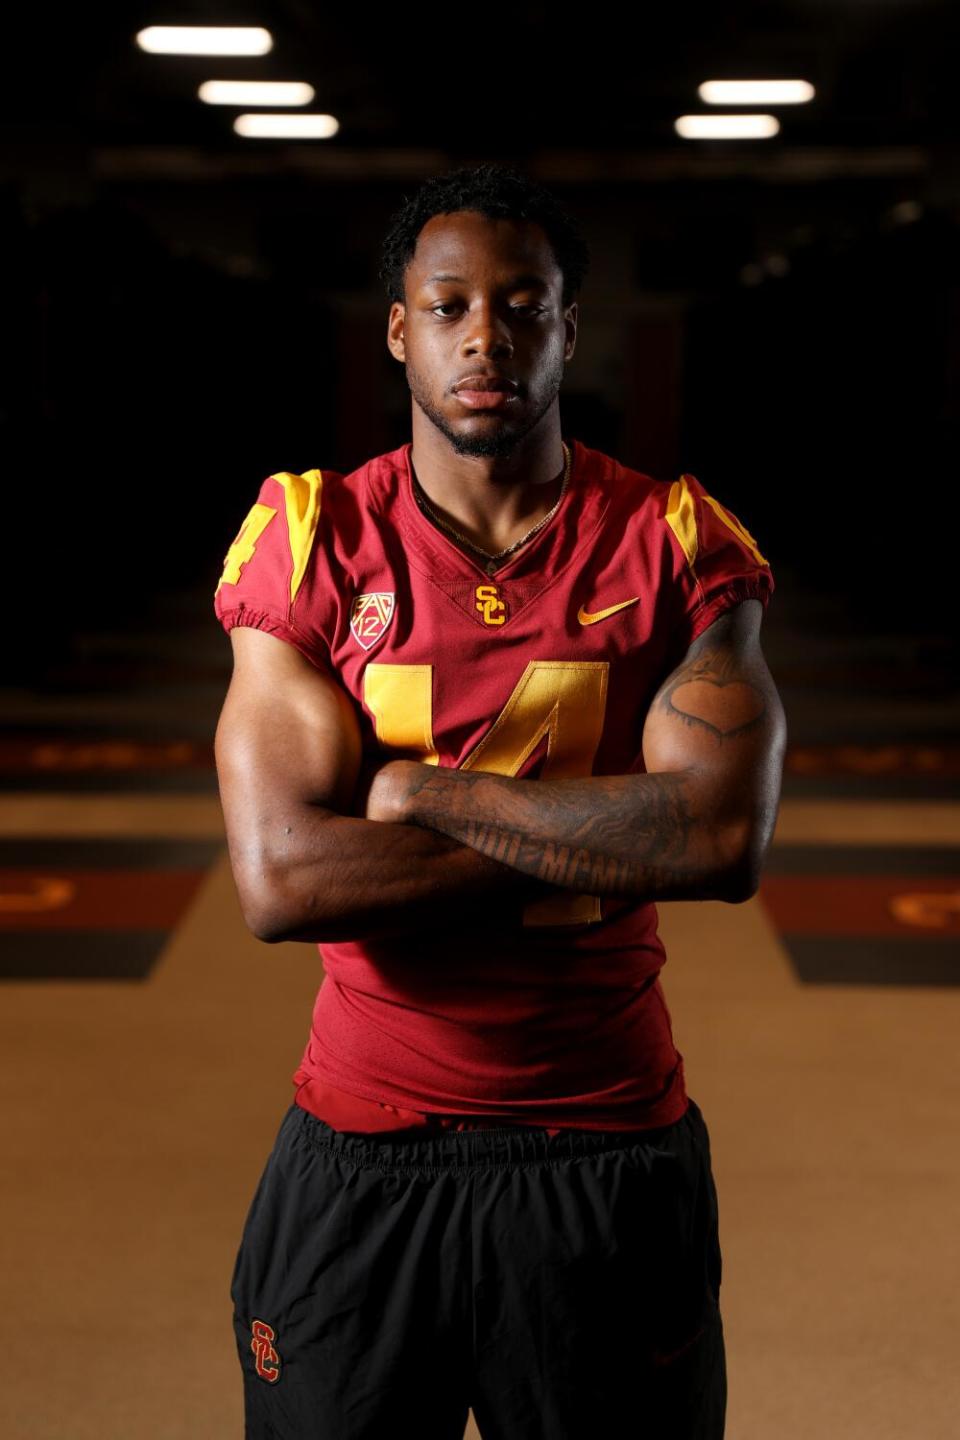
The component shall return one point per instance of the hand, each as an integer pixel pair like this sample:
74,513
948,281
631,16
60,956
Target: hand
391,787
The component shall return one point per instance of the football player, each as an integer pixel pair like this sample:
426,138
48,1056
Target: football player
495,694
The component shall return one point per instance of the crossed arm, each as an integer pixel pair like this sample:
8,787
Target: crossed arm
435,841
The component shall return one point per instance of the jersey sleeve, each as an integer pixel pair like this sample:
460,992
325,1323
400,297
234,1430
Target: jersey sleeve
717,562
269,577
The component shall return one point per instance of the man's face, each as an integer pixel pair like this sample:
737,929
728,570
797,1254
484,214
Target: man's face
483,297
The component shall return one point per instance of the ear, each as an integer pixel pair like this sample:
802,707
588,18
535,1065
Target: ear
395,331
570,324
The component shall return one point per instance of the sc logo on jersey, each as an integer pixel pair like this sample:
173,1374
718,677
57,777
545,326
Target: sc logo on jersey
491,607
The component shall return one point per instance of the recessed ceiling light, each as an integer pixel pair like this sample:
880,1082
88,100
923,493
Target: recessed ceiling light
755,92
205,40
726,127
255,92
286,127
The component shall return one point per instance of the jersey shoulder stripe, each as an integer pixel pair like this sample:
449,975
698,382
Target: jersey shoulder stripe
681,515
302,495
301,500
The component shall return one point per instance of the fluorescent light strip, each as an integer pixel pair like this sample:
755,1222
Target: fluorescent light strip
286,127
726,127
205,40
756,92
255,92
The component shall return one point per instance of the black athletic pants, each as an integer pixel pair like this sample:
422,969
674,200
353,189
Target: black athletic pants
563,1288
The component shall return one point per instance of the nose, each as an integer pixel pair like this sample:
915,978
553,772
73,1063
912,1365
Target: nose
488,333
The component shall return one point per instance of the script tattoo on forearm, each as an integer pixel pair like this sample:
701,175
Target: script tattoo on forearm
655,834
622,835
612,849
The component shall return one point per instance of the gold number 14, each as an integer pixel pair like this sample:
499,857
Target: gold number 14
562,700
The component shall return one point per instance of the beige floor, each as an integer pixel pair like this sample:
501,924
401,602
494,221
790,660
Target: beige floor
136,1119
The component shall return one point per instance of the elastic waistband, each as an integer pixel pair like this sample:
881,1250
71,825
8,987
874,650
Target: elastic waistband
504,1145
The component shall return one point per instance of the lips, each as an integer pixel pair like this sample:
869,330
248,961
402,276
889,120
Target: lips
486,391
484,384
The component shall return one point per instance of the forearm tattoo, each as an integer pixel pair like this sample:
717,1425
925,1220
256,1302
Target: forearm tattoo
609,835
642,835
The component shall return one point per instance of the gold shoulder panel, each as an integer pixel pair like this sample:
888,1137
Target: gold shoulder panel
301,495
681,516
739,530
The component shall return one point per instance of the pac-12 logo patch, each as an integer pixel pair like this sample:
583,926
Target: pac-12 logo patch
370,615
268,1361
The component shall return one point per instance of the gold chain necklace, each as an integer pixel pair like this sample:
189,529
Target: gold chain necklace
493,562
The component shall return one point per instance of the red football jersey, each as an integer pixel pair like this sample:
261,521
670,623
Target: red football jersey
545,668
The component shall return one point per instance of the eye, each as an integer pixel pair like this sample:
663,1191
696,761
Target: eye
525,308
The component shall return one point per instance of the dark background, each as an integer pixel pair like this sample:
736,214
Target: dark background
186,311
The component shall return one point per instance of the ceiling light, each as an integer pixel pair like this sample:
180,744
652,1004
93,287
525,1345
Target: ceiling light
726,127
755,92
287,127
255,92
205,40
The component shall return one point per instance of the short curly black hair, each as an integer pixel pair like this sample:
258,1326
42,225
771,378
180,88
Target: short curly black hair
497,190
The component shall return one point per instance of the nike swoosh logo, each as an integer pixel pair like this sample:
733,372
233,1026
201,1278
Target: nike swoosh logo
586,619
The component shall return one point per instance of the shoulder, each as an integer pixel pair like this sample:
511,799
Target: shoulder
700,524
297,515
699,553
632,495
717,563
284,570
273,545
682,507
320,496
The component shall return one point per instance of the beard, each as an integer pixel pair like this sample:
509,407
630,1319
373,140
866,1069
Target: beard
495,443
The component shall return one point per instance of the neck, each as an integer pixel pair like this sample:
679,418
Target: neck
491,500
